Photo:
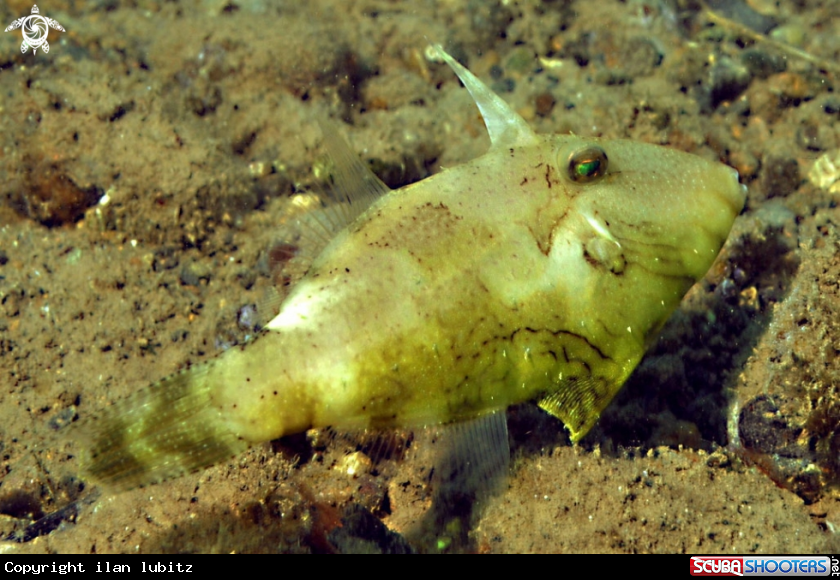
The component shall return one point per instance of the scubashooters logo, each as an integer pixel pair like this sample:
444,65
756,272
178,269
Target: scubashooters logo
35,29
764,566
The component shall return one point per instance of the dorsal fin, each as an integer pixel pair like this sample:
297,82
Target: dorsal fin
505,126
353,187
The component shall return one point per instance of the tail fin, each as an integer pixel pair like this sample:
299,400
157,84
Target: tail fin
168,429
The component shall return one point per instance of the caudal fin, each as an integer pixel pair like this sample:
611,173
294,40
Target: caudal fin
168,429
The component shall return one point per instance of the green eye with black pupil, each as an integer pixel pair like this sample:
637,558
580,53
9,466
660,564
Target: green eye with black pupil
587,165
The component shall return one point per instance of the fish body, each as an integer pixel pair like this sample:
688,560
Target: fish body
539,271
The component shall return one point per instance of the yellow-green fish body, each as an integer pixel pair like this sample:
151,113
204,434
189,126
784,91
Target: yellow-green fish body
539,271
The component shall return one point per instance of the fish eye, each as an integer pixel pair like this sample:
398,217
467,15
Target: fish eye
587,165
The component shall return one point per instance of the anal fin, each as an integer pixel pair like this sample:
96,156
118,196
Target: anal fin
472,464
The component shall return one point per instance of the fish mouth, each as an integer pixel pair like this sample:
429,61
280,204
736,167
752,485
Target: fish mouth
735,196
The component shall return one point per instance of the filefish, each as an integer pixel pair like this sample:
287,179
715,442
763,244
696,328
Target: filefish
539,271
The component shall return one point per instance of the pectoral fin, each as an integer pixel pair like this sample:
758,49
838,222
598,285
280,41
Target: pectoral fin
578,402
